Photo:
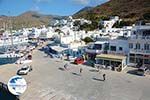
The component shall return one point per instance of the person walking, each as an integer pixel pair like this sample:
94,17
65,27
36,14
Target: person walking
104,77
61,57
81,70
65,66
98,68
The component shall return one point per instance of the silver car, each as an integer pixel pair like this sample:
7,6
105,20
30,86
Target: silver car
24,70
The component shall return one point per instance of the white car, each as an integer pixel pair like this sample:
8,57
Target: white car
24,70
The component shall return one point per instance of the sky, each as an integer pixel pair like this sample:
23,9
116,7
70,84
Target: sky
54,7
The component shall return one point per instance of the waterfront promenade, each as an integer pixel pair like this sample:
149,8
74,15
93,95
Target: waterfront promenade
48,81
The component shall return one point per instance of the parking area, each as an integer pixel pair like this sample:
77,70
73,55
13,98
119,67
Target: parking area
48,81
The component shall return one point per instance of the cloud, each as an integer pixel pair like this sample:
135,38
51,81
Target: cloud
36,4
42,1
89,2
35,8
83,2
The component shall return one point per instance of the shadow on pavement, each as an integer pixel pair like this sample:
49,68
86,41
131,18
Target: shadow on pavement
89,64
46,51
5,94
134,72
76,74
97,79
93,70
62,69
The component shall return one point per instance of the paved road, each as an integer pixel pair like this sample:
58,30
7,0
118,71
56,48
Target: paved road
48,81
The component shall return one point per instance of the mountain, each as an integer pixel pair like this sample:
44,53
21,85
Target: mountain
128,10
27,19
88,8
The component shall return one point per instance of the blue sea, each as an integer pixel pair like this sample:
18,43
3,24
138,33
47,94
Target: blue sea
4,61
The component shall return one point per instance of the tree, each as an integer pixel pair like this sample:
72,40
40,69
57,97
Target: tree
87,40
76,23
120,24
101,26
146,16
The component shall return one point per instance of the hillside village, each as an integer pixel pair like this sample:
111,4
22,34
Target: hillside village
109,46
101,52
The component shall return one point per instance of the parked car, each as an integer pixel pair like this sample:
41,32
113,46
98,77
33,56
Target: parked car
24,70
141,71
79,60
30,57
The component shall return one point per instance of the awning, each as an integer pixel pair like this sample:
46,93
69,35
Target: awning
111,57
58,48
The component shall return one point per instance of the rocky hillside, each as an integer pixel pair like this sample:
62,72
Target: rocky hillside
128,10
27,19
88,8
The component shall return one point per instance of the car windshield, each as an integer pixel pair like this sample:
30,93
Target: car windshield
24,68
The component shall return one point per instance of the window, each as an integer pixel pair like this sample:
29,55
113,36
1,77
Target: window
146,61
134,32
137,46
131,54
146,47
132,60
130,45
97,46
120,49
146,33
113,48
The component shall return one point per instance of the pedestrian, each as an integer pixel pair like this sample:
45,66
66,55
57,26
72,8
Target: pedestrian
98,68
100,71
65,66
81,70
61,57
104,76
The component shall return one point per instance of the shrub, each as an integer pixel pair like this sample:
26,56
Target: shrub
146,16
87,40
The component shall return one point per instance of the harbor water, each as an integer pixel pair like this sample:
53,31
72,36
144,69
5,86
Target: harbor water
7,60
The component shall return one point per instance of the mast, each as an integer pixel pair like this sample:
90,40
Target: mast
12,46
11,34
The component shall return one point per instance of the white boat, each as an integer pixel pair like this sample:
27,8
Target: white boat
17,40
8,47
9,58
11,55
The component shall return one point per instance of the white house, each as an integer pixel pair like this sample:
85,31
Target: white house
74,49
119,47
109,23
139,44
34,33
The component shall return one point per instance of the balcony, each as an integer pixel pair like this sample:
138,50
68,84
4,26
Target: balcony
93,51
117,53
140,37
140,51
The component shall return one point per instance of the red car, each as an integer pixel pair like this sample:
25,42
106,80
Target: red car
30,57
79,60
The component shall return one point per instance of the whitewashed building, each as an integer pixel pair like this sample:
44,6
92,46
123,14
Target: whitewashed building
119,47
109,23
110,53
139,44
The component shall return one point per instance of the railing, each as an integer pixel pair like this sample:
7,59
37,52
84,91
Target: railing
93,51
140,37
140,51
117,53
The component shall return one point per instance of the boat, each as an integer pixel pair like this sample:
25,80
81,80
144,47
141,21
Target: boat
10,45
8,58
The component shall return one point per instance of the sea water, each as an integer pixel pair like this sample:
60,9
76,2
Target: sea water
8,60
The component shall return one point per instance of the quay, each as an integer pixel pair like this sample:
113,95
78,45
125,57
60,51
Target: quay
48,81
